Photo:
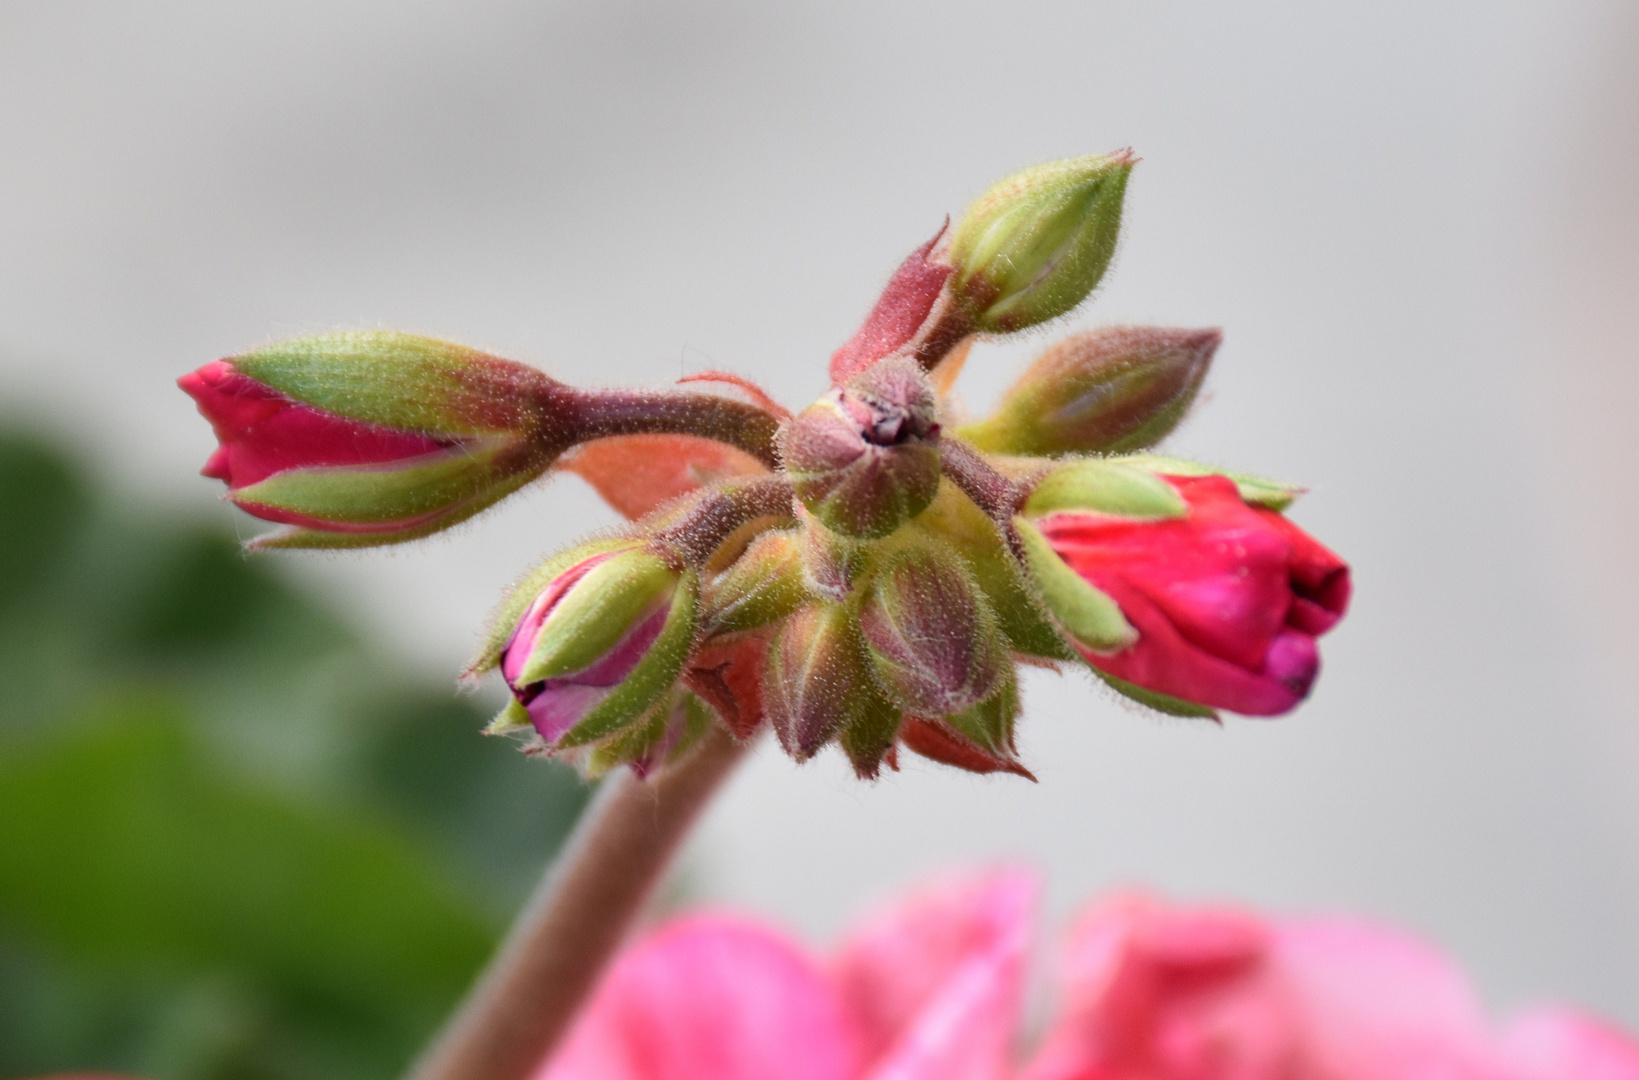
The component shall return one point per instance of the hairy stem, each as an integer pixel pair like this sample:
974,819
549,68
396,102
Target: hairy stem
721,513
602,413
994,493
551,960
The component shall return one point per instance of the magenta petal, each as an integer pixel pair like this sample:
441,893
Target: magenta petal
263,432
1558,1044
560,706
711,998
1293,661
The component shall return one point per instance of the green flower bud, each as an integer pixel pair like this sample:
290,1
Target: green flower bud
955,520
602,634
367,438
864,459
1113,390
931,638
817,682
1032,247
764,585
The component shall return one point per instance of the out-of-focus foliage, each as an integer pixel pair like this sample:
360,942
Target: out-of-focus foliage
236,843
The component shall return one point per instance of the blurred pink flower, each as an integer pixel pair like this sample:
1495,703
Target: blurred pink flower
931,988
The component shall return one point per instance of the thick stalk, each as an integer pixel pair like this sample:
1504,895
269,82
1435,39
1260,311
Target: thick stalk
721,513
552,958
602,413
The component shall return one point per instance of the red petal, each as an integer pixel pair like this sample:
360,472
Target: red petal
899,313
263,432
937,742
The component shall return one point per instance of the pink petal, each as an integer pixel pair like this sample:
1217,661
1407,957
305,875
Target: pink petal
935,981
711,998
1158,993
1558,1044
1380,1005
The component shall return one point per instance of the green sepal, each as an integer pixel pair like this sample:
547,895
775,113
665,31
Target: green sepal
512,719
1108,487
504,619
871,732
630,742
397,380
1084,612
654,674
1256,490
641,739
439,484
763,586
597,612
1164,703
990,723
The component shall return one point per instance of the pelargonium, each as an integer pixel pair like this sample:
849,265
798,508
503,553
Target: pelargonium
868,572
933,985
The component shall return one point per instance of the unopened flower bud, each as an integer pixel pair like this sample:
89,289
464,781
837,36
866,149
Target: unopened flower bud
817,682
596,637
372,437
664,734
1113,390
764,585
865,458
931,637
1195,601
1032,247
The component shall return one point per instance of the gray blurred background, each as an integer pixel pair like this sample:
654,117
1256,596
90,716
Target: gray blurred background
1416,223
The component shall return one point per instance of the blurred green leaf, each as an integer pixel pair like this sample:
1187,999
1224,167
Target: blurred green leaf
236,841
44,501
123,846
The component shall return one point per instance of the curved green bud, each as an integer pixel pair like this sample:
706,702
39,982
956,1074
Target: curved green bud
817,682
1036,244
931,638
659,669
1118,389
596,613
764,585
402,381
503,621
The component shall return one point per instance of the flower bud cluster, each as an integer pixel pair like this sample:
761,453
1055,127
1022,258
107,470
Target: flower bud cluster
870,572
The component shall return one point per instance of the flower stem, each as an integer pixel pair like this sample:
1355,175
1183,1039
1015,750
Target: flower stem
602,413
522,1006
